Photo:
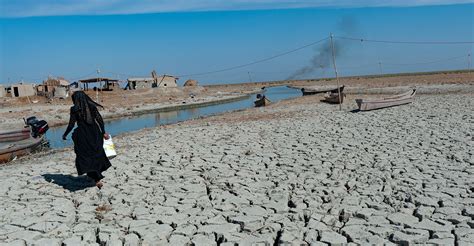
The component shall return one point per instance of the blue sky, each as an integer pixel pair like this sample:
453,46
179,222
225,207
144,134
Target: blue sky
74,38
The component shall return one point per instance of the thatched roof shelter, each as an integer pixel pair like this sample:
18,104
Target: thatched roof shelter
108,82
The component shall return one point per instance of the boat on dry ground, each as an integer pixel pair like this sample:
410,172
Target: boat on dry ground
314,91
391,101
11,150
333,98
19,142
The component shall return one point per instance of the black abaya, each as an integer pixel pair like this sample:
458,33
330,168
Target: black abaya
88,144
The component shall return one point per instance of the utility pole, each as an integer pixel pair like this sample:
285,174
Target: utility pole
250,77
380,67
335,71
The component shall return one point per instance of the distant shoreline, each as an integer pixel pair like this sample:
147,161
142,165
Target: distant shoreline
369,76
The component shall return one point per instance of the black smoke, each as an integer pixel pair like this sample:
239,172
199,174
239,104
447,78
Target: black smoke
322,59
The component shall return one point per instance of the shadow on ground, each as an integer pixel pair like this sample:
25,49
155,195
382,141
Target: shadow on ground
69,182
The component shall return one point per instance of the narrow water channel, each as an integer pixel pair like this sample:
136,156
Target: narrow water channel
134,123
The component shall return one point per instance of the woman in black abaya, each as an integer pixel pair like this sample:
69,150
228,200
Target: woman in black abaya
88,137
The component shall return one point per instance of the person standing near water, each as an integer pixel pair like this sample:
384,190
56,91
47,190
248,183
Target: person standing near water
88,137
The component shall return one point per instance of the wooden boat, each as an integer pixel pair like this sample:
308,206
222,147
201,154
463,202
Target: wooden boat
408,93
15,135
333,98
261,101
309,91
401,99
10,150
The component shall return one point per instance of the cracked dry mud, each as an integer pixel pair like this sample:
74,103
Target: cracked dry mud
307,175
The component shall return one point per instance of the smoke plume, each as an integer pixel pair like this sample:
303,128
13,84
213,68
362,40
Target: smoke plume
322,59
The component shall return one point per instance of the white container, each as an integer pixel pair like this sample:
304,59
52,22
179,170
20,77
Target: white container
109,148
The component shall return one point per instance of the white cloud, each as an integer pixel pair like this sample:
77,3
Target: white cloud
25,8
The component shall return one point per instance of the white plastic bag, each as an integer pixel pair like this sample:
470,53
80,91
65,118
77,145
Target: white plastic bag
109,148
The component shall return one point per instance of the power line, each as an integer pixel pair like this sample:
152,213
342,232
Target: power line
343,67
421,63
403,64
405,42
83,76
319,41
311,44
258,61
121,74
32,79
348,38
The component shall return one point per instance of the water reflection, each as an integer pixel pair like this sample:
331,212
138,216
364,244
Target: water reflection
165,117
123,125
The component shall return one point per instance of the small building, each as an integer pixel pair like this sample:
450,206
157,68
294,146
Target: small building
140,83
45,90
53,87
56,82
167,81
23,90
105,84
3,91
113,85
163,81
61,92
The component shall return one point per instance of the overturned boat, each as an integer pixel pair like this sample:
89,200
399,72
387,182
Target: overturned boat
392,101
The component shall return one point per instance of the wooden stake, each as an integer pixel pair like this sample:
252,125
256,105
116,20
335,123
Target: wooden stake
335,71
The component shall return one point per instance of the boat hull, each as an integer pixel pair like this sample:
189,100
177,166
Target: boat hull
333,98
402,99
15,135
262,102
307,92
8,151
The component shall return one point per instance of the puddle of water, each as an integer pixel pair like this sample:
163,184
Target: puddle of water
122,125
